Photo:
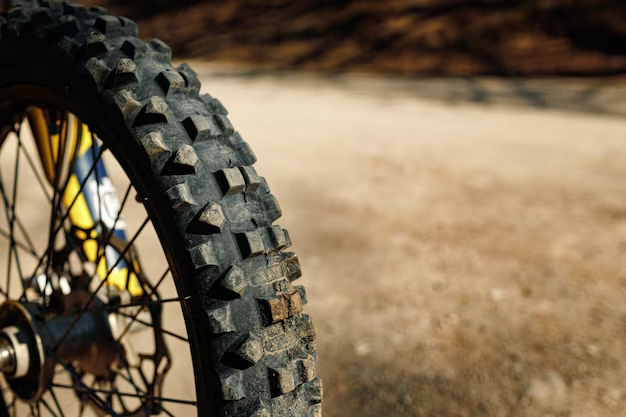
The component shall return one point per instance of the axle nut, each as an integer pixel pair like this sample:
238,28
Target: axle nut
21,359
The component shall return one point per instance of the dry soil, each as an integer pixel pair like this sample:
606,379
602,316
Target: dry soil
460,259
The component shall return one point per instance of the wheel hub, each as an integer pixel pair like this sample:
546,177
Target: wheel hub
30,338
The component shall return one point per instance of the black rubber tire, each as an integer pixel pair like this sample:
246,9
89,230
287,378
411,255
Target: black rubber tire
252,347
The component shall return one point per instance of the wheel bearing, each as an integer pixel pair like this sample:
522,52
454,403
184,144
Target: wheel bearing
22,352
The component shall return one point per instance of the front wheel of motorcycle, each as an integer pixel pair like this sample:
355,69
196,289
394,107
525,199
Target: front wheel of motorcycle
107,147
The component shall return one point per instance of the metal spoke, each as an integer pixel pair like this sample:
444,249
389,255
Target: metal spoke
13,219
156,287
107,240
56,401
142,304
56,198
91,391
104,280
80,190
121,400
166,412
139,391
93,155
29,159
129,394
10,219
129,379
23,150
82,409
31,246
69,208
45,403
6,200
119,215
167,332
12,223
20,245
109,395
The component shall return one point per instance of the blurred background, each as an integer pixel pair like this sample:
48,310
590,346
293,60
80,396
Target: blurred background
452,176
435,37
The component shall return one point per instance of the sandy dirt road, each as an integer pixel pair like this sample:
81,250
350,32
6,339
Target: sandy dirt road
460,260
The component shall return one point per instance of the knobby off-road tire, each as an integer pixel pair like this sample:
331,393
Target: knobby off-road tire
251,345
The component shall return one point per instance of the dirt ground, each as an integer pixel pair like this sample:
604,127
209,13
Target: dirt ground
461,259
